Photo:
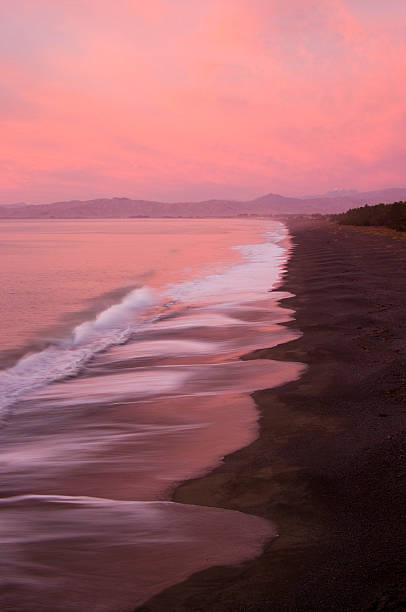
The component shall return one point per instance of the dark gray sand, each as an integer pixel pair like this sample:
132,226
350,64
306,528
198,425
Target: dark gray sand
329,466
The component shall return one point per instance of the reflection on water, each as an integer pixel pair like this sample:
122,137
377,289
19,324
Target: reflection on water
57,273
93,448
77,553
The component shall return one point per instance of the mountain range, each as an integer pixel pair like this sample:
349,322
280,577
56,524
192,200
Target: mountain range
270,204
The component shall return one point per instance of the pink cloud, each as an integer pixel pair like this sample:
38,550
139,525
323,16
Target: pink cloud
174,99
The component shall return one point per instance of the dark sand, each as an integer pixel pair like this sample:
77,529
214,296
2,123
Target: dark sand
329,466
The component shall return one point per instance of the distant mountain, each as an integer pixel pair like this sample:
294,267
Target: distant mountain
270,204
332,194
381,196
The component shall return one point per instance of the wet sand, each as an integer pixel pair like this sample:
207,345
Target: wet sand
100,427
329,465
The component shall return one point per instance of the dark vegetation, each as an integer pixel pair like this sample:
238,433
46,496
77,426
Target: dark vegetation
386,215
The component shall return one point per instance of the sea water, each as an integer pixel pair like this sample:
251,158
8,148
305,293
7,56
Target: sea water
120,379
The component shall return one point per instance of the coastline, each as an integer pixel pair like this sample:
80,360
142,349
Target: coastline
105,445
327,467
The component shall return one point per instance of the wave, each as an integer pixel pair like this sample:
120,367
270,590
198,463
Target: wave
114,316
66,357
103,552
242,282
250,279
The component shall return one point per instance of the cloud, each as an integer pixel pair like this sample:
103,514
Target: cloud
157,97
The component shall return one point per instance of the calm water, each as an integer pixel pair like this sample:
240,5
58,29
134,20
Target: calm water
54,273
121,378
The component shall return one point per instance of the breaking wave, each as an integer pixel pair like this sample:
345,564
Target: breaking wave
115,316
66,357
249,279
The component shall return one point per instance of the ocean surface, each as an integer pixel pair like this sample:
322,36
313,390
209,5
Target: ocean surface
120,377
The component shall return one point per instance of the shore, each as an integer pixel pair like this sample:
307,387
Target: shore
328,467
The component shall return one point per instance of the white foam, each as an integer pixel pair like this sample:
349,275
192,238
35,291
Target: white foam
115,316
144,382
201,319
154,348
249,280
246,281
66,358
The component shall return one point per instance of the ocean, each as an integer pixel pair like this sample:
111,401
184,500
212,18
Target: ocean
120,378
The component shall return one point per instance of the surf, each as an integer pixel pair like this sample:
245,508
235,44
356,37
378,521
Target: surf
258,268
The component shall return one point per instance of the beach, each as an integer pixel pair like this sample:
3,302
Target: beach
202,306
328,466
123,392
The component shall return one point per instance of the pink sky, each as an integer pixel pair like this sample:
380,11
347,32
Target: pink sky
193,99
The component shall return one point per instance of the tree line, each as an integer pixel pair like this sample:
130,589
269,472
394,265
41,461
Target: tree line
387,215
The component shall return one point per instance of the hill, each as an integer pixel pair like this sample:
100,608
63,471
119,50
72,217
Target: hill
270,204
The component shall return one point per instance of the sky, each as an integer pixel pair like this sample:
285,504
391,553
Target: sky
194,99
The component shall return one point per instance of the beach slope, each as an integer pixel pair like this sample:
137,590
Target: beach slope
329,465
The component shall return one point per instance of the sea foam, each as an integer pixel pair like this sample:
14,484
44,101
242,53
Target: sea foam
117,315
66,357
256,273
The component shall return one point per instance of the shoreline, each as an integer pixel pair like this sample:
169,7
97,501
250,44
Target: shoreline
327,467
105,447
